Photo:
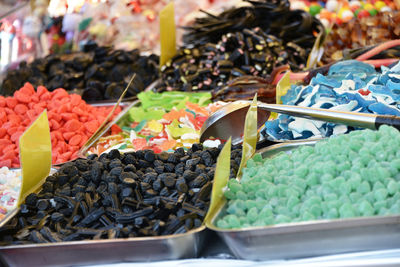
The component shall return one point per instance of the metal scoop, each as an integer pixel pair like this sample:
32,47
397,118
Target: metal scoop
228,121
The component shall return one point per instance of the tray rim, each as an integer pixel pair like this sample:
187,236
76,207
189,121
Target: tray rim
105,241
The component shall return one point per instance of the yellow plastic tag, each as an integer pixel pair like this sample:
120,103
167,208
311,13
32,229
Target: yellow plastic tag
282,87
250,136
167,33
35,156
221,177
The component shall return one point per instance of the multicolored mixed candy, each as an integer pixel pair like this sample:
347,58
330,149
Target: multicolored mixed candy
163,122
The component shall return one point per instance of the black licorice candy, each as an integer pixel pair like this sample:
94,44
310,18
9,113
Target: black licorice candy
138,201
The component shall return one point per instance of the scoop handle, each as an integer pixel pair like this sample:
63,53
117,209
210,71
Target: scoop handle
390,120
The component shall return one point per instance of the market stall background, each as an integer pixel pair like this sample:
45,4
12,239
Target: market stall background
143,173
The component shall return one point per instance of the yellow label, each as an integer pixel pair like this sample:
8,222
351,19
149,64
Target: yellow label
221,177
250,135
167,33
282,87
35,156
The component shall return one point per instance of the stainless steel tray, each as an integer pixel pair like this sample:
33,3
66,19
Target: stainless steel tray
312,238
170,247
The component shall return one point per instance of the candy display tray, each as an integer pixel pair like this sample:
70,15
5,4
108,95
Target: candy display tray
169,247
312,238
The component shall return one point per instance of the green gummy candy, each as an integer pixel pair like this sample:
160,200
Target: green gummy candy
315,210
381,155
257,157
273,191
292,201
327,177
307,216
283,210
333,204
223,224
345,188
366,159
282,190
332,213
355,145
292,192
355,197
258,223
301,171
234,185
364,187
229,194
233,221
377,186
252,214
383,173
330,168
312,179
343,166
251,164
234,209
314,200
355,181
301,183
370,197
268,220
365,208
380,194
265,212
250,204
383,211
330,197
337,182
395,208
380,204
395,164
280,218
346,211
241,195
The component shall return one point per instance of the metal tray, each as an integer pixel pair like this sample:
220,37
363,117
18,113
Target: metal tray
170,247
311,238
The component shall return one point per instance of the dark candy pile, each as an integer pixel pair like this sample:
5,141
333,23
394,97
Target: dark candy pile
120,195
250,40
273,16
249,52
98,73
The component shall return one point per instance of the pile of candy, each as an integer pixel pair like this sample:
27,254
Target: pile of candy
342,11
346,176
118,196
163,122
251,39
97,73
10,183
349,86
71,121
359,33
